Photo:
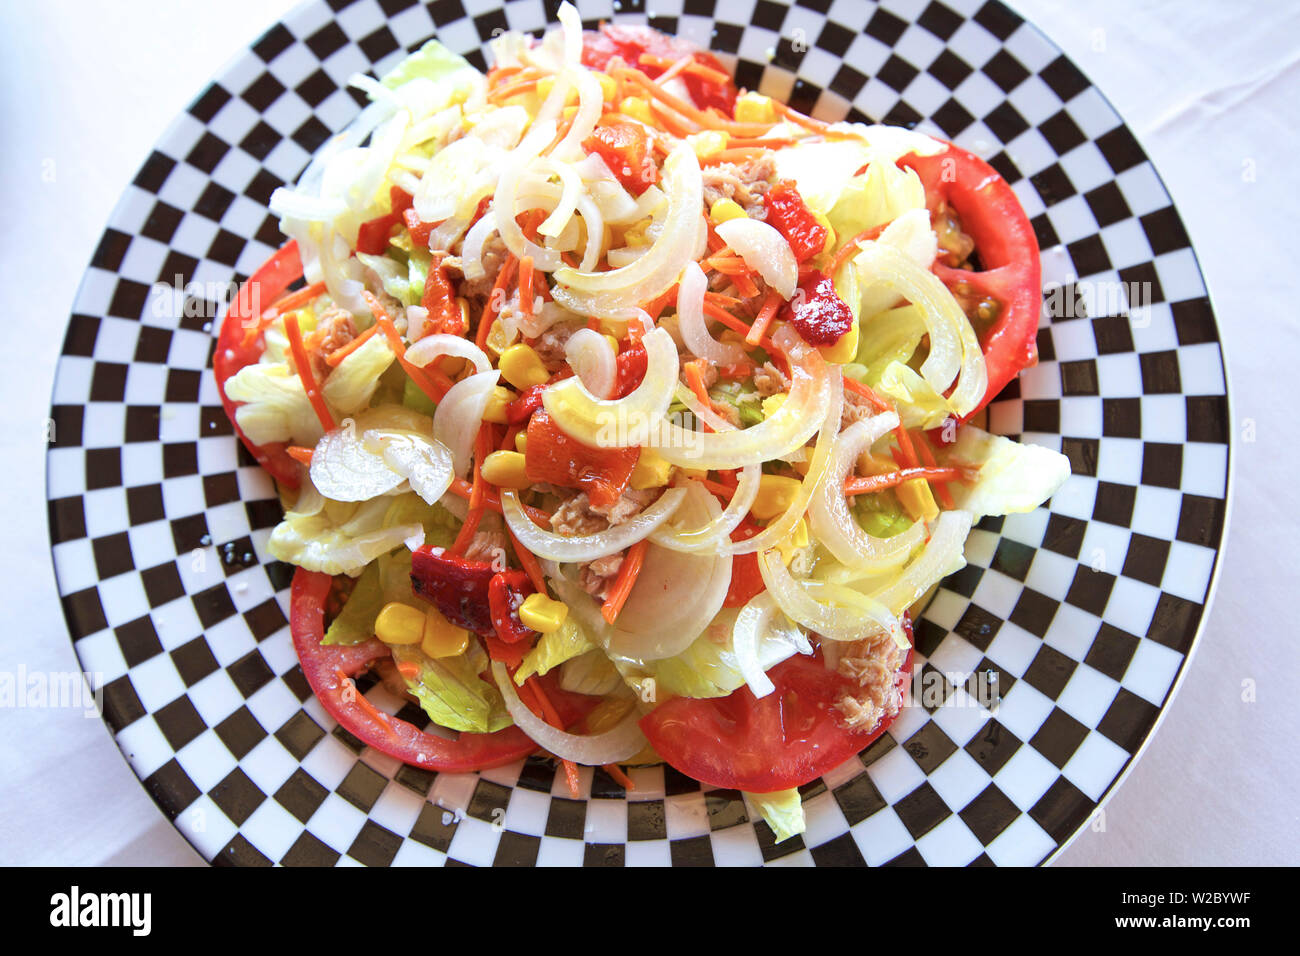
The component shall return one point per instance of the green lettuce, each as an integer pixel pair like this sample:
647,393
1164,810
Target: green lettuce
782,809
350,387
451,692
1013,478
434,62
553,648
356,622
276,407
889,336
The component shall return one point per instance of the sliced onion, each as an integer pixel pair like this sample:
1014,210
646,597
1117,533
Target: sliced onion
434,346
954,347
343,469
690,318
425,463
555,223
587,547
753,622
595,228
832,522
763,249
571,24
447,233
623,422
793,424
459,415
508,187
716,532
621,742
542,319
592,357
471,250
591,100
594,293
855,617
943,555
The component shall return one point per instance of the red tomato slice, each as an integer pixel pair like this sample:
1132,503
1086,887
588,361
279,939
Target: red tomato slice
786,739
268,283
398,738
1007,247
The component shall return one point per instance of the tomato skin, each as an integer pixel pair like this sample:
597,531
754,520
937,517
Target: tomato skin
1008,250
554,457
788,738
631,365
269,282
629,42
396,737
788,214
746,579
625,148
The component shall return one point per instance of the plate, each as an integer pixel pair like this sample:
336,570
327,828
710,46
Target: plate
1042,668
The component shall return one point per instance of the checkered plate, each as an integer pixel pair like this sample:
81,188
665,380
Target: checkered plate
1084,611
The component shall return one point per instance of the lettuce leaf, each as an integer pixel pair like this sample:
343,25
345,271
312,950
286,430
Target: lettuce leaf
553,648
340,539
351,385
782,809
433,61
590,673
451,692
890,336
276,406
1013,478
356,622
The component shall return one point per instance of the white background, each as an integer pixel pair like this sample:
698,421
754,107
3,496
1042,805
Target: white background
1211,91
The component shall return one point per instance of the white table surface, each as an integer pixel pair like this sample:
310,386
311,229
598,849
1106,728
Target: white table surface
1211,91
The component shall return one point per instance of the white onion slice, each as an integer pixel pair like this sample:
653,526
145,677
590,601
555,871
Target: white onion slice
623,422
690,319
555,223
763,249
943,555
425,463
855,617
459,415
439,344
753,621
590,101
343,470
471,250
716,532
508,188
592,357
621,742
587,547
828,512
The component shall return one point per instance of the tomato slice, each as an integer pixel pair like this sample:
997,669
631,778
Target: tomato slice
1008,250
271,280
322,666
630,42
786,739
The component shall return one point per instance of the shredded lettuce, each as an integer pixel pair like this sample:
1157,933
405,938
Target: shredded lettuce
919,405
783,811
350,387
434,62
451,692
276,408
340,539
1013,478
590,673
890,336
554,648
356,622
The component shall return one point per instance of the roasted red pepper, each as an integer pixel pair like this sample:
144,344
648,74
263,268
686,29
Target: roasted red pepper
746,579
522,408
631,363
625,148
440,300
456,586
817,312
787,213
506,592
554,457
372,237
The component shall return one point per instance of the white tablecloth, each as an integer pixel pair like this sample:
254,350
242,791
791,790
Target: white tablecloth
1210,89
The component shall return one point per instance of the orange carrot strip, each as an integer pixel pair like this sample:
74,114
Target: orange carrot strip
526,285
620,778
799,119
342,352
850,248
528,561
495,300
705,119
627,575
878,403
905,446
363,701
290,303
940,488
859,485
408,669
671,122
552,717
429,380
766,314
299,454
303,364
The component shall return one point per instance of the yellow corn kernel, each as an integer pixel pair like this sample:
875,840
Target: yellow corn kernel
522,367
498,405
725,209
498,339
708,143
843,351
775,493
613,342
608,87
541,613
505,469
869,464
521,442
399,623
917,500
755,108
547,83
637,107
772,404
652,470
798,539
732,337
440,637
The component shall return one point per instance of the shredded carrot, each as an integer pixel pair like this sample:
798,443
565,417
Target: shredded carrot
905,446
627,575
799,119
526,285
715,242
733,323
552,716
429,380
859,485
343,351
303,364
878,403
408,669
510,90
299,454
363,701
671,122
694,371
290,303
703,118
728,265
940,488
685,64
656,306
495,300
620,778
763,322
528,561
850,248
482,447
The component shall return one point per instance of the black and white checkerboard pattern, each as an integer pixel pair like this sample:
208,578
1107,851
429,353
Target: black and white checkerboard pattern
1084,611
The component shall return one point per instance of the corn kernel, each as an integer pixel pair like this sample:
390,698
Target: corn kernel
498,405
725,209
772,404
440,637
541,613
755,108
652,470
505,469
775,493
917,500
522,367
708,143
521,442
547,83
843,351
797,539
399,623
869,464
608,87
498,338
638,108
613,342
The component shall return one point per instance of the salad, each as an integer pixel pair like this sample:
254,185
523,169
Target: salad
625,416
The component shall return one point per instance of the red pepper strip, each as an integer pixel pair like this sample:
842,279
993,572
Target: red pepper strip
552,456
420,231
457,586
440,301
818,313
496,299
521,409
372,237
746,579
859,485
788,214
397,737
303,365
624,145
232,353
506,592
